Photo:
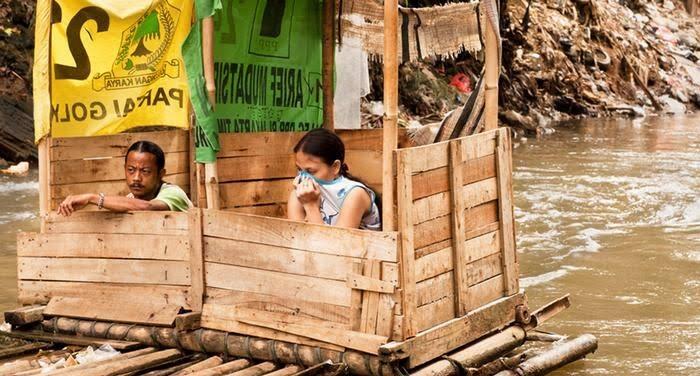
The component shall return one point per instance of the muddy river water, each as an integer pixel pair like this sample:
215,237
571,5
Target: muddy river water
606,210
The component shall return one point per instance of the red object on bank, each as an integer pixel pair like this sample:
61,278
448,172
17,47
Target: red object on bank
462,82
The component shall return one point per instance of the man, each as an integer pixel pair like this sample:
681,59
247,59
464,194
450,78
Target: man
144,168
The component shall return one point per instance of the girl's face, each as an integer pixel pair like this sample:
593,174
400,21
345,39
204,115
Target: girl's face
317,167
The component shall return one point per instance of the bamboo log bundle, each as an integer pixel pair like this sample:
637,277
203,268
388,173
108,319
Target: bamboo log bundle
477,354
219,342
555,358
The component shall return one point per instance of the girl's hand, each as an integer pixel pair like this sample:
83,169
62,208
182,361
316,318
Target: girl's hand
308,192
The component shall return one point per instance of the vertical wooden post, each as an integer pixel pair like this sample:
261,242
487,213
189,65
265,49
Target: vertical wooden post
504,172
391,103
196,259
328,58
210,170
492,63
459,236
407,258
44,154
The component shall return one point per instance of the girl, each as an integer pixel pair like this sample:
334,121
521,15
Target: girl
324,191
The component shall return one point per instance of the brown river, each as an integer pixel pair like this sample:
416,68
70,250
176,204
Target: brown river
607,210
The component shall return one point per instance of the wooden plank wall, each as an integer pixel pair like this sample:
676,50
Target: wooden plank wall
461,214
276,271
143,256
256,169
96,164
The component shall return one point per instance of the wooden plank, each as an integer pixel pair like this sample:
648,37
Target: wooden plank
439,229
196,258
109,168
219,318
274,258
485,292
436,155
404,194
104,222
268,282
236,313
385,315
432,248
452,334
24,315
505,199
364,342
188,321
256,144
255,300
115,145
302,236
459,201
14,351
257,192
112,187
266,143
435,313
482,246
430,182
435,289
367,166
437,205
360,282
356,301
104,270
123,246
124,366
434,264
117,309
370,300
72,340
275,166
270,210
483,269
40,292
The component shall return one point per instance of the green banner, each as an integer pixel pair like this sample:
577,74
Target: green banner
268,66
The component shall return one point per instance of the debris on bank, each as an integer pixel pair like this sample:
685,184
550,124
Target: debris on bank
566,59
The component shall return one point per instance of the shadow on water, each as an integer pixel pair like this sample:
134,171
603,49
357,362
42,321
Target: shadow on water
607,210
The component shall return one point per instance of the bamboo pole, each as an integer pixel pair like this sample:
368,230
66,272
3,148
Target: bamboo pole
219,342
210,171
328,58
492,63
204,364
555,358
391,104
477,354
224,369
44,181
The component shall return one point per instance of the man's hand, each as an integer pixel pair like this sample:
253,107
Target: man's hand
75,202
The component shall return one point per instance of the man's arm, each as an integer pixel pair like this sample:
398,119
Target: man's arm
113,203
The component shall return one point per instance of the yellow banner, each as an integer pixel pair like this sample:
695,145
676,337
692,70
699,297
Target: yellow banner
117,65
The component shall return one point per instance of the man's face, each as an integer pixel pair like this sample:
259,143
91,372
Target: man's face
142,175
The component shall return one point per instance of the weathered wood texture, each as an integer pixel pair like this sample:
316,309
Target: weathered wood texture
256,169
98,257
456,219
96,164
298,277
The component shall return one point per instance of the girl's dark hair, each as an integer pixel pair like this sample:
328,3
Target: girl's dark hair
324,144
148,147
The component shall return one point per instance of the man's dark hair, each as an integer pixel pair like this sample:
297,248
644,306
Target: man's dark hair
148,147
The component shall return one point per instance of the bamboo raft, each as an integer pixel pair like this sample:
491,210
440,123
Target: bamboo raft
233,288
